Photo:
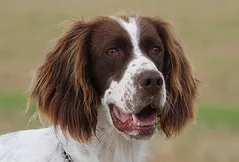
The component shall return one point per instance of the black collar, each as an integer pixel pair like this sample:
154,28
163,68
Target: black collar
66,156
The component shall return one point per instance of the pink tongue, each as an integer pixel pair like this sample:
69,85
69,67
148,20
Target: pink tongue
123,117
145,120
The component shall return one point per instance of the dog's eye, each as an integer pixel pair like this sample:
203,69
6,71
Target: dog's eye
112,52
155,51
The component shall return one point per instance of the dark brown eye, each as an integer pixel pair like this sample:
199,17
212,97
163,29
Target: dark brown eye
155,50
112,52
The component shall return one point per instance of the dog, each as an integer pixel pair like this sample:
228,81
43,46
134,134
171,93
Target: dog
106,87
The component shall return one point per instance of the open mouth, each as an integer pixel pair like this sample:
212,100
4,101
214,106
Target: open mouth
145,120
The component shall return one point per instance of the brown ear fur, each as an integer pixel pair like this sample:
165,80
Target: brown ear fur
181,84
61,87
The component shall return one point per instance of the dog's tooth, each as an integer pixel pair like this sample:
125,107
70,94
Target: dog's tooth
135,120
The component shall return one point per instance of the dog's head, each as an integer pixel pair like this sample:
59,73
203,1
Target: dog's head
133,67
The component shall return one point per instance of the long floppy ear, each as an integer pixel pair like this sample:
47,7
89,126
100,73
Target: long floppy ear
62,89
181,84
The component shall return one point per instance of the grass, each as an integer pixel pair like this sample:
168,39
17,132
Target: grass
224,115
12,101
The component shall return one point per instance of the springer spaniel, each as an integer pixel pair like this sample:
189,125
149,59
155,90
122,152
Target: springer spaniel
106,86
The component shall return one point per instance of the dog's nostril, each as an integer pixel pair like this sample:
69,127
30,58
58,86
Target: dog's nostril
147,83
160,81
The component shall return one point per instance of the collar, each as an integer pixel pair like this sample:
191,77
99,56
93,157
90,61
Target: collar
66,156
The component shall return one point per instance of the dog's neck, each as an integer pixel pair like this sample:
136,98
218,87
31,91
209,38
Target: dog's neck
113,146
108,145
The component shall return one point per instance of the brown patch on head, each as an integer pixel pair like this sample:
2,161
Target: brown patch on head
149,38
104,67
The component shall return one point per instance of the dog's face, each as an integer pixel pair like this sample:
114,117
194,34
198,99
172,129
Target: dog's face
131,66
127,71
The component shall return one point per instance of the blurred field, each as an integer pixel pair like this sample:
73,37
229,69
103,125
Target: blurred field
209,32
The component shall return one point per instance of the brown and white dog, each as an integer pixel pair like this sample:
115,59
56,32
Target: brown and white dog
106,86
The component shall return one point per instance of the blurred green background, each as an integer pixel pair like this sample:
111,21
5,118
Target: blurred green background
209,31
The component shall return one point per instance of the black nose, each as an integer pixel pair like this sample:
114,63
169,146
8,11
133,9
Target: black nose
150,79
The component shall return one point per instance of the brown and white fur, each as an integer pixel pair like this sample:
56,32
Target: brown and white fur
107,86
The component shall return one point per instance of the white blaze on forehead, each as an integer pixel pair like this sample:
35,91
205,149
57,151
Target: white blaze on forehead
133,30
